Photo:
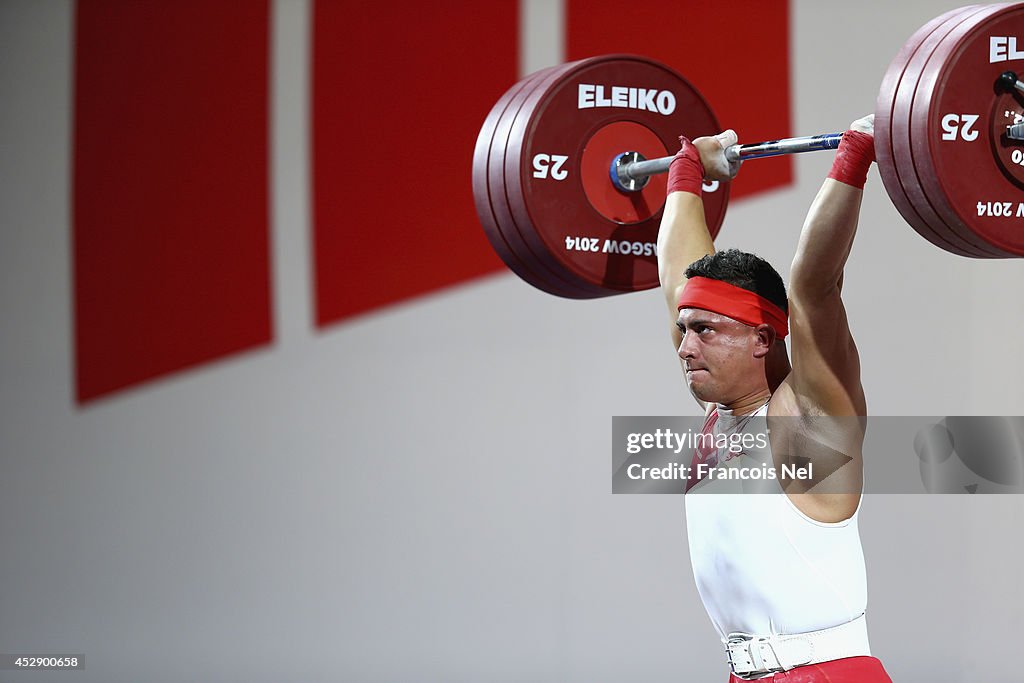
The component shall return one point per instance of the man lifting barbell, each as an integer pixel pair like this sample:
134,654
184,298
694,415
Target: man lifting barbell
782,575
566,185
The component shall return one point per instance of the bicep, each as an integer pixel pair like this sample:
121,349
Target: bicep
682,239
825,360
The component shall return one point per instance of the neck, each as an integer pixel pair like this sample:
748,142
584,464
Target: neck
776,365
776,369
749,403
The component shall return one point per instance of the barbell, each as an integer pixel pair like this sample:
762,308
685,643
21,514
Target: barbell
566,169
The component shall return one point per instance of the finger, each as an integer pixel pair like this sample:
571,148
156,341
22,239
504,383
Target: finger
864,125
727,138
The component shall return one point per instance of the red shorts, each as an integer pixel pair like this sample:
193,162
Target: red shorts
849,670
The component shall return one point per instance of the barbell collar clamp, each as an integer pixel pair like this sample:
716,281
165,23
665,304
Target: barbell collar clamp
1008,79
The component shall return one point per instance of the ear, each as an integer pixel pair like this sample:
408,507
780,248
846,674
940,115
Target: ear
764,340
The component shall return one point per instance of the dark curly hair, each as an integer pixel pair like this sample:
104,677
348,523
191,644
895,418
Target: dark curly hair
744,270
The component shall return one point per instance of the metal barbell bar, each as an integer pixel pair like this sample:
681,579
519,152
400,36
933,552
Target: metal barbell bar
630,172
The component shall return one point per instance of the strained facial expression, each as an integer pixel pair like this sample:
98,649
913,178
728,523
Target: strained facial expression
718,354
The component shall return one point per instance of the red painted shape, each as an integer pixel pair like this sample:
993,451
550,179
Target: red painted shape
607,143
400,90
170,198
736,54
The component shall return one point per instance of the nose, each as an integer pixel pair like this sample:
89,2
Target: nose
687,346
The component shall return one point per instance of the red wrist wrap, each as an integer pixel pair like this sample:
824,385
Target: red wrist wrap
686,172
853,159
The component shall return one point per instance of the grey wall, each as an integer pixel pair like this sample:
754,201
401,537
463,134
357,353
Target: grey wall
423,493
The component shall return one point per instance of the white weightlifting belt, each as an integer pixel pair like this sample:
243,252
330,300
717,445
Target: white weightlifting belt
755,656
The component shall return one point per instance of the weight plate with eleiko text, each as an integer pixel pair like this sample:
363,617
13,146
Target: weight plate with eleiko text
518,235
538,273
559,154
962,166
903,154
884,142
482,198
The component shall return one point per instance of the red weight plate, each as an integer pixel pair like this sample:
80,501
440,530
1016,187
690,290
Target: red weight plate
903,151
487,194
481,195
903,112
918,110
521,236
952,138
484,200
556,125
883,138
499,192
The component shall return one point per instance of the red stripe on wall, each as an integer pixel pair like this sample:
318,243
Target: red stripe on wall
736,54
400,90
171,264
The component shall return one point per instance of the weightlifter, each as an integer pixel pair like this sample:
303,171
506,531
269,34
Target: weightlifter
781,574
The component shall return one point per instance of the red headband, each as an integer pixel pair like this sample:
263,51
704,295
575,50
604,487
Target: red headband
735,302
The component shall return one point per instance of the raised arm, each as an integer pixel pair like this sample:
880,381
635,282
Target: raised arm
826,367
683,236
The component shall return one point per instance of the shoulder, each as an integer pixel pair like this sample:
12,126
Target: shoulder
787,402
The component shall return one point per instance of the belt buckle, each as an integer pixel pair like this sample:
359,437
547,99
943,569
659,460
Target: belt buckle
734,643
743,661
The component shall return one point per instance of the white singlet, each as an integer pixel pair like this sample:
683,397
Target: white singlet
763,567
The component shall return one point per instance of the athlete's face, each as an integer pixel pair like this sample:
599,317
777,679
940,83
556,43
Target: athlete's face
723,358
